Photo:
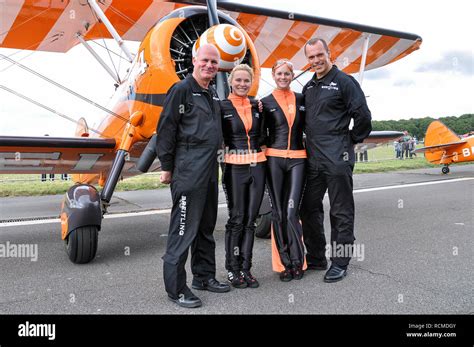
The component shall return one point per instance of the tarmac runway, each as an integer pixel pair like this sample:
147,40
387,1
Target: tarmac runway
414,231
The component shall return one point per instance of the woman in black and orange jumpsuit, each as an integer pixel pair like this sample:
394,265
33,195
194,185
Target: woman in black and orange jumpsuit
284,119
244,175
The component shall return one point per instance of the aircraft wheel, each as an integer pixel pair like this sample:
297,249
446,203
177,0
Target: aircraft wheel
264,222
445,170
81,244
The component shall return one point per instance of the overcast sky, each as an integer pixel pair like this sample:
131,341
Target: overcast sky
436,81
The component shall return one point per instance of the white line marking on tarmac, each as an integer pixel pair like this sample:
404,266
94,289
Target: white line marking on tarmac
107,216
167,211
412,185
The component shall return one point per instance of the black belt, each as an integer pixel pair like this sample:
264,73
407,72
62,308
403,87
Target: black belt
188,145
333,132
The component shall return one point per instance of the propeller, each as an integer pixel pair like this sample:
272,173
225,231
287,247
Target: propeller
222,86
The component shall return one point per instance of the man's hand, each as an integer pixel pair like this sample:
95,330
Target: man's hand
260,106
166,177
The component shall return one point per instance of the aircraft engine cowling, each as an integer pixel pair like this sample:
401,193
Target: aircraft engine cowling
165,57
168,46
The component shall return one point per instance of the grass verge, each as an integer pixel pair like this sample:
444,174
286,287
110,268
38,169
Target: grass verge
382,159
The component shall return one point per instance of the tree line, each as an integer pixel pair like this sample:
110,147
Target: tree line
417,127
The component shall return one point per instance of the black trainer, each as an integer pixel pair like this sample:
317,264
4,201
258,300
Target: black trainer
250,279
236,279
297,272
286,275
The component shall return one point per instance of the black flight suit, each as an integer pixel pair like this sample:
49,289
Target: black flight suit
243,179
331,102
189,135
285,174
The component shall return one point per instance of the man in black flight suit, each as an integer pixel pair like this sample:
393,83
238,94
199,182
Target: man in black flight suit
189,136
332,98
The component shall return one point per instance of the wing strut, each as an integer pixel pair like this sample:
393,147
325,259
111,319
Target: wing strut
364,58
99,59
110,28
222,86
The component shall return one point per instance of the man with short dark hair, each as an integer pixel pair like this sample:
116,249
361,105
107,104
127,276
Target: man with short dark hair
332,99
189,136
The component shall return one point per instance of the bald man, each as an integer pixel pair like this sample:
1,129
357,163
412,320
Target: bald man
189,136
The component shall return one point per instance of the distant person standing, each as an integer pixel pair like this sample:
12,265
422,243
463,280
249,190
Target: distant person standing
332,99
396,146
406,144
411,147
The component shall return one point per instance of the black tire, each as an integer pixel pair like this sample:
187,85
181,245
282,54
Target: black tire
263,229
81,244
445,170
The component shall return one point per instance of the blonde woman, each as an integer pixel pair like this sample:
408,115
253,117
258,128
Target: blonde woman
244,175
286,159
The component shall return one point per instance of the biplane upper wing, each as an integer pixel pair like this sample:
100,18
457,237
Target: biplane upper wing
34,155
54,25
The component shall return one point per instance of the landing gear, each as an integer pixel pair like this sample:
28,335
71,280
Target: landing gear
81,218
83,207
81,244
445,170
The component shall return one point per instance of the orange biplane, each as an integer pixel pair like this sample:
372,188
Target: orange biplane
121,145
444,147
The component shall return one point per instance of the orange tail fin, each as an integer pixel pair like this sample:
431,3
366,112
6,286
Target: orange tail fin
438,134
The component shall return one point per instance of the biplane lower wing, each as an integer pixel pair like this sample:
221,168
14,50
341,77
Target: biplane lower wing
432,149
36,155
